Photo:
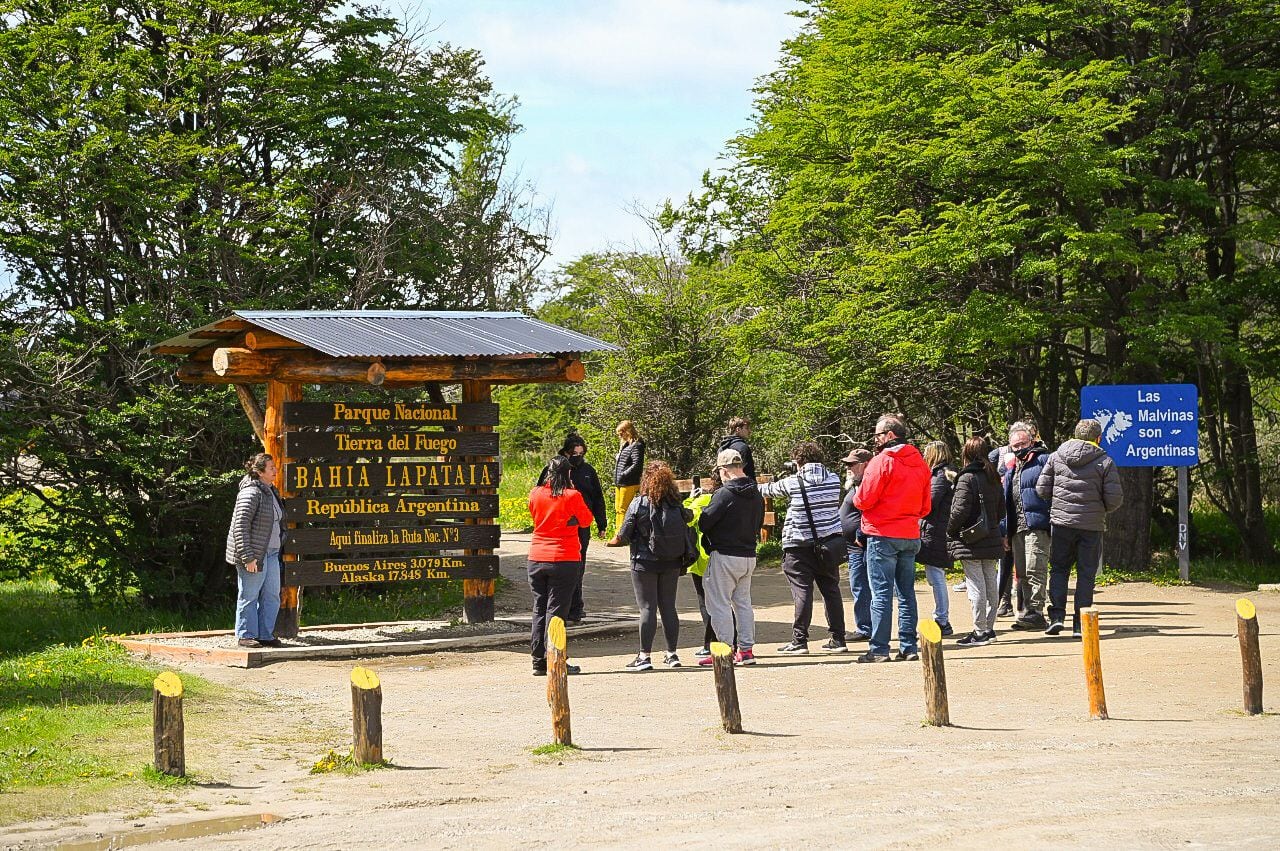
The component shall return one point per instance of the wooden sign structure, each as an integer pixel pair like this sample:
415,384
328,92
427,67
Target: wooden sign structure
391,349
391,468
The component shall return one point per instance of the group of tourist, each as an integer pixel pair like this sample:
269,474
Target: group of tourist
1037,511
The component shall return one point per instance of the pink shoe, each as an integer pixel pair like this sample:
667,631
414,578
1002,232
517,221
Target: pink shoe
706,662
744,657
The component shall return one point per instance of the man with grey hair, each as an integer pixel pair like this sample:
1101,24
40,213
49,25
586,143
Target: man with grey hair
1082,485
1026,523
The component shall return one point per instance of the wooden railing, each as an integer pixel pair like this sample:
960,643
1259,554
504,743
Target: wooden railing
768,530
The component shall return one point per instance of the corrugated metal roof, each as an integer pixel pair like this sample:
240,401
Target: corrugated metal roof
404,333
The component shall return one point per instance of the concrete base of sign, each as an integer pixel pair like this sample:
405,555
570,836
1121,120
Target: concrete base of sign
1274,586
169,646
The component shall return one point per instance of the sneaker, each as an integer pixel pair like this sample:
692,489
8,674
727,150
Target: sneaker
1005,610
1075,633
271,642
539,667
1053,628
640,663
974,639
907,656
857,636
572,669
833,646
869,657
706,661
744,657
960,587
1029,622
249,642
704,653
991,635
795,648
947,629
671,660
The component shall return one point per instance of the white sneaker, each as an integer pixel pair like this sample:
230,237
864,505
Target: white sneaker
640,663
671,660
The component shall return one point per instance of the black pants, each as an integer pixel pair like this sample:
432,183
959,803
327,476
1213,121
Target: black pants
552,586
576,608
708,634
804,570
1004,577
656,592
1067,546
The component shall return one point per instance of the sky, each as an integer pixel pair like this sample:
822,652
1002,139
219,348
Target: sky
624,103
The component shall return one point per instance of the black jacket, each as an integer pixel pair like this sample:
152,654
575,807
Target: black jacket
732,441
730,524
629,465
964,513
587,482
634,529
851,518
933,526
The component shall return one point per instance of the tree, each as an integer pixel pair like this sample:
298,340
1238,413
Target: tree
979,208
164,162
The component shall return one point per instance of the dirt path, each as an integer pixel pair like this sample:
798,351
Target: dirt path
835,753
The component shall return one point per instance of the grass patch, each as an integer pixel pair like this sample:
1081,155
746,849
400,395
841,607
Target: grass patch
555,750
334,762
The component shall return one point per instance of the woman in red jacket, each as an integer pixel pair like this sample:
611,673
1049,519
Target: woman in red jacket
558,512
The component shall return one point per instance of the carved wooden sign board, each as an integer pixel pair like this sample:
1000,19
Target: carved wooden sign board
389,492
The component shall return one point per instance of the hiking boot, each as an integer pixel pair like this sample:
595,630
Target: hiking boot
744,657
974,639
1029,622
907,656
249,642
833,646
640,663
947,629
671,660
271,642
795,648
1053,628
539,667
870,658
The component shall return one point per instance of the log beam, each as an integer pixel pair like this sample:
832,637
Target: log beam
258,339
234,365
252,410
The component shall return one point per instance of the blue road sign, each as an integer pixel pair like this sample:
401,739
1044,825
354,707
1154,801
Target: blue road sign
1146,425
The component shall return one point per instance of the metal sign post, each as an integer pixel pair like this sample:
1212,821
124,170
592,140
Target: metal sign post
1151,425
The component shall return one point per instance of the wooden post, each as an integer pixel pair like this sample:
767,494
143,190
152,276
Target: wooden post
726,687
558,681
252,410
937,712
1093,664
166,725
477,594
366,717
278,392
1250,655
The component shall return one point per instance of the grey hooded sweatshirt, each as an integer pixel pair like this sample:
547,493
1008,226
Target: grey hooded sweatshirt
1082,485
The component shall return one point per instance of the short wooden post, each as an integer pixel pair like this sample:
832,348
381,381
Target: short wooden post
166,727
366,717
558,681
937,712
1093,664
726,687
1250,655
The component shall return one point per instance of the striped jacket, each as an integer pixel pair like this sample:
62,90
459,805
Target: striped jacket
822,487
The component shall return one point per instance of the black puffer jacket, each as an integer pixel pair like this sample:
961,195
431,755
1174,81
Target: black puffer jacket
629,466
635,527
933,526
965,506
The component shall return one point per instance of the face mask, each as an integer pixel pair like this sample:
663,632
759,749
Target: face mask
575,460
1021,454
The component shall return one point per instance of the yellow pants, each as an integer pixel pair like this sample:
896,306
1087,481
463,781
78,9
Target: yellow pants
621,499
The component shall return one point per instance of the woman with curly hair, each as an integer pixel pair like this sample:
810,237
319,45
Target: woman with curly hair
654,520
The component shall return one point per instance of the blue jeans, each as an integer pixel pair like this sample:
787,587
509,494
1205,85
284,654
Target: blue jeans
891,566
941,602
860,588
258,599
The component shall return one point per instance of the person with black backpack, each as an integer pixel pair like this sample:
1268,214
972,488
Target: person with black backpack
663,545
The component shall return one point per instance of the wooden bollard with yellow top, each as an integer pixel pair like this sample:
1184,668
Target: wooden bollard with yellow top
937,712
1093,664
1250,655
726,687
366,717
558,681
166,727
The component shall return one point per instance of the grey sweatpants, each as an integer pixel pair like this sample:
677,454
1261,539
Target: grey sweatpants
727,583
1031,560
984,591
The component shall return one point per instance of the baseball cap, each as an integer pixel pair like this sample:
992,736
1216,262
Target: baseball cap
857,456
728,458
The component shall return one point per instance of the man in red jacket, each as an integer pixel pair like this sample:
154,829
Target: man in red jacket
893,496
